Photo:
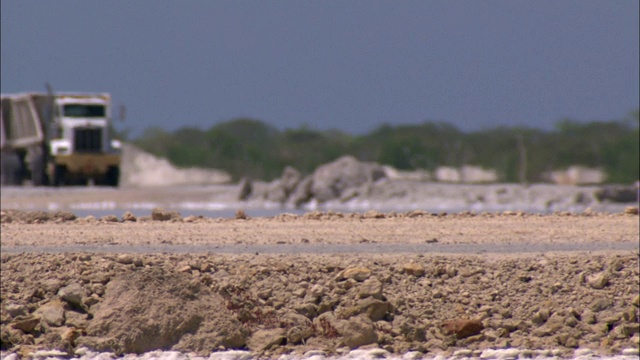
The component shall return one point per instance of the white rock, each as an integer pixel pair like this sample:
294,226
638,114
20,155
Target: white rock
314,353
314,357
556,352
488,354
440,357
463,353
508,353
411,355
582,352
231,355
46,354
631,352
98,356
367,354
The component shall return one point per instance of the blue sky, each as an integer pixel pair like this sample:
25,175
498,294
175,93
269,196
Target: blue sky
347,65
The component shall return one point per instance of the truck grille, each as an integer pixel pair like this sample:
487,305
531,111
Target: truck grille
88,140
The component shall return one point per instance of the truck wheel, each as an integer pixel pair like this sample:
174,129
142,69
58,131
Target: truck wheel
10,169
60,176
38,175
113,176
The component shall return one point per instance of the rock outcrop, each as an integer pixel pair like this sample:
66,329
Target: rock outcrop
341,179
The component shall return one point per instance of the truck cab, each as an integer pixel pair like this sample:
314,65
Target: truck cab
80,141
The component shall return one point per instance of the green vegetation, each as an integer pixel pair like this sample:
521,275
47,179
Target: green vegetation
246,147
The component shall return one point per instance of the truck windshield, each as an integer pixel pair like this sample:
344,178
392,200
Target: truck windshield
81,110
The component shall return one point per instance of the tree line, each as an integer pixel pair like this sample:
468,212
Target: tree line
252,148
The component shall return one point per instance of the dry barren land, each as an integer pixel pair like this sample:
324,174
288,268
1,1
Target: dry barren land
434,283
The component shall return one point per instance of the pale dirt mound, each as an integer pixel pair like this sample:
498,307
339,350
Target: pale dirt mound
140,169
154,308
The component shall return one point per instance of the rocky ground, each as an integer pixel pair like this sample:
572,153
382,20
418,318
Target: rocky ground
274,304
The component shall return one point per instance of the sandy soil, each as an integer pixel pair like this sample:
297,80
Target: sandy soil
289,303
51,229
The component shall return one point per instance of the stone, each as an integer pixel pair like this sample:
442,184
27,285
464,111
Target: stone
571,321
412,331
52,313
617,193
462,328
540,317
15,310
374,309
600,304
25,324
547,329
451,271
154,308
298,334
128,216
357,331
330,181
416,270
262,340
124,259
631,210
280,189
309,310
302,193
356,273
245,189
159,214
109,218
299,327
370,288
72,294
598,281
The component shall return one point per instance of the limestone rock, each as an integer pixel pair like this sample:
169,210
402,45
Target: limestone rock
540,317
357,331
373,308
109,218
302,193
26,324
128,216
371,287
15,310
331,180
125,259
589,317
72,294
462,328
299,327
245,189
52,313
356,273
599,280
126,321
159,214
265,339
414,269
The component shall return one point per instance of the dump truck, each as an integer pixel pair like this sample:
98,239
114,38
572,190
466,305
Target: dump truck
58,139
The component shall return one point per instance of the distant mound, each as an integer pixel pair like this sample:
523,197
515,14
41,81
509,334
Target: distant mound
140,168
